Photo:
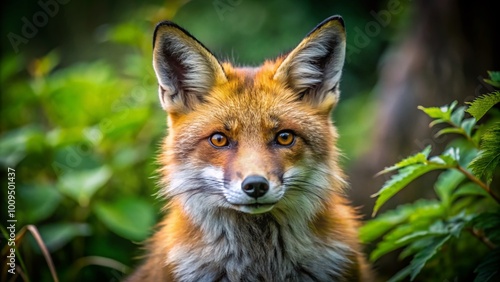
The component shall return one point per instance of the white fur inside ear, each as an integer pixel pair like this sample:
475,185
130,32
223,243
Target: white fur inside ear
316,64
185,70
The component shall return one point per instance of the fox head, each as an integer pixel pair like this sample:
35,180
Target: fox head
250,140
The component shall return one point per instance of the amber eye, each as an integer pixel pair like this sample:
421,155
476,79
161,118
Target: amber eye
219,140
285,138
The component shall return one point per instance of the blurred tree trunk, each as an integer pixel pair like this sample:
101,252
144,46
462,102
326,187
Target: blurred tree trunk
444,55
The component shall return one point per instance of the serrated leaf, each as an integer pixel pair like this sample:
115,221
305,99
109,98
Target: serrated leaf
425,213
488,159
399,181
458,115
81,185
449,158
488,269
130,218
414,247
421,258
436,229
443,113
467,125
403,273
481,105
418,158
375,228
392,241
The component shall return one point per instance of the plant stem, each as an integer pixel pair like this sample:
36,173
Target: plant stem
478,182
480,235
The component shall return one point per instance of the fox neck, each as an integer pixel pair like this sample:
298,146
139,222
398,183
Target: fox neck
228,241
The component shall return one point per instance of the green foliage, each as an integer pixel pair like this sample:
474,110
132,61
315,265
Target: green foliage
81,138
487,161
127,217
481,105
464,218
494,78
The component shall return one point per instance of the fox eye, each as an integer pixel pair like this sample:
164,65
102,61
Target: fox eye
218,140
285,138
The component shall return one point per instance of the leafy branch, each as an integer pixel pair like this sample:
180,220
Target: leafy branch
430,230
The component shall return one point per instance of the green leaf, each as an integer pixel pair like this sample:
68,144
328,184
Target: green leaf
403,273
488,269
449,130
81,185
443,113
432,246
423,214
130,218
57,235
436,229
469,189
494,78
399,181
447,182
418,158
481,105
449,158
467,125
437,121
421,258
16,144
392,240
375,228
414,247
484,165
458,115
38,202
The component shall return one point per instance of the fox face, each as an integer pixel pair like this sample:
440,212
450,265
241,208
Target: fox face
250,166
253,140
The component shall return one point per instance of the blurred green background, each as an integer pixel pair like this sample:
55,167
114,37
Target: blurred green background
81,124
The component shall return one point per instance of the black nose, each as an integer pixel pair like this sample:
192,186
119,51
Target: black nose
255,186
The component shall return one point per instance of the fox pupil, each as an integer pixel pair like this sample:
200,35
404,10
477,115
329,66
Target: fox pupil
285,138
218,140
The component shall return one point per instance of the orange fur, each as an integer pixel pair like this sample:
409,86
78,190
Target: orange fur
299,227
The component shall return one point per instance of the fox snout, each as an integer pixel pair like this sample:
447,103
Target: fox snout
255,186
253,194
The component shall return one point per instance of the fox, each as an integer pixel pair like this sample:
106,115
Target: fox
250,167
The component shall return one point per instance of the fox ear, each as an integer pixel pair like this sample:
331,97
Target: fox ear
314,67
185,69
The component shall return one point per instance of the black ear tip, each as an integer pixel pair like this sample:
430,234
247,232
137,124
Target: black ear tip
336,18
163,24
339,19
